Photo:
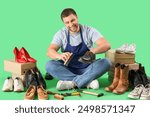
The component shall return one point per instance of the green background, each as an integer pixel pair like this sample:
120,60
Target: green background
32,24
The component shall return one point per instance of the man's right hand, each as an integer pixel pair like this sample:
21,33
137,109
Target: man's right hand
65,56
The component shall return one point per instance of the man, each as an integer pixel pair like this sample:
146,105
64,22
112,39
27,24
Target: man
76,39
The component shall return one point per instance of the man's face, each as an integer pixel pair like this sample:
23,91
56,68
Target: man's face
71,22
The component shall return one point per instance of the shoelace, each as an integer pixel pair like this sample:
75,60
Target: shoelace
18,82
146,90
132,47
123,47
137,88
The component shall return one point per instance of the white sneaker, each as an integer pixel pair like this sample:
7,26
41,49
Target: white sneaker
8,84
131,49
146,93
94,84
18,85
136,92
63,85
122,48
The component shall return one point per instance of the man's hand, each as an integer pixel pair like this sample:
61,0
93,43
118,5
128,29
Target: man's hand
65,56
88,57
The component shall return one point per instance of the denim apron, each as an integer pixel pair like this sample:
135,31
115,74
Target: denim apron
77,51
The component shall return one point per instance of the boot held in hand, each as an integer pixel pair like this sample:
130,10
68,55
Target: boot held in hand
88,57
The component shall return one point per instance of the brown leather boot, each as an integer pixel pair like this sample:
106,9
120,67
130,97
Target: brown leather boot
115,80
123,82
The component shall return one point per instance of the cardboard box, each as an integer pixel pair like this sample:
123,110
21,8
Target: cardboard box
134,66
17,68
120,58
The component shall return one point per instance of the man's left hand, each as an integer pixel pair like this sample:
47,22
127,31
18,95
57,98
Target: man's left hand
88,57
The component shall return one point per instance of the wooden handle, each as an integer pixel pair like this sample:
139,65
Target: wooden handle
59,97
91,93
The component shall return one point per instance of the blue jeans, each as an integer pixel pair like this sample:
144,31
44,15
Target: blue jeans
84,76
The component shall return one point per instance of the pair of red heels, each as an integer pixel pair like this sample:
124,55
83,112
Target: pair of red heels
22,56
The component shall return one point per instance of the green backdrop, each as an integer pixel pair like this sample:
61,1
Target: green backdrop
32,24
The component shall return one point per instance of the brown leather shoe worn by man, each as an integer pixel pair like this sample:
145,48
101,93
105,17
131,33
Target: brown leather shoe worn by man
115,80
123,82
30,93
42,94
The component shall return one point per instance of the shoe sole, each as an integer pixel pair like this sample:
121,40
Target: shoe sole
133,97
145,98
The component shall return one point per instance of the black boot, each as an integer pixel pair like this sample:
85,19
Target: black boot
30,78
40,78
134,78
143,75
48,76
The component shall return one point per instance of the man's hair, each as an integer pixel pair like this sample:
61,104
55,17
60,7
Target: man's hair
66,12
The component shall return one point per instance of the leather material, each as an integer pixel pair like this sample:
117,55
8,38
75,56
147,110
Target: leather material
123,81
143,75
18,56
34,77
48,76
138,77
115,80
39,77
42,94
134,79
87,58
30,78
24,53
30,93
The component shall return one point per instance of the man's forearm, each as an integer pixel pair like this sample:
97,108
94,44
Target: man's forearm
53,54
100,49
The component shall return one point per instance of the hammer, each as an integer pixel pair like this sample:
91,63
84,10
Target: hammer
91,93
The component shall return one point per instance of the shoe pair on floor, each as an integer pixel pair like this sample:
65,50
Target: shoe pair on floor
33,90
63,85
140,92
22,55
9,83
128,49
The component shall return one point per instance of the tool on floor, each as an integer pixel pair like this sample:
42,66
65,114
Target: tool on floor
91,93
71,94
56,95
60,96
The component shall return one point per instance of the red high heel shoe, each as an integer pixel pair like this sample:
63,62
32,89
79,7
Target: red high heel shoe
24,53
18,56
